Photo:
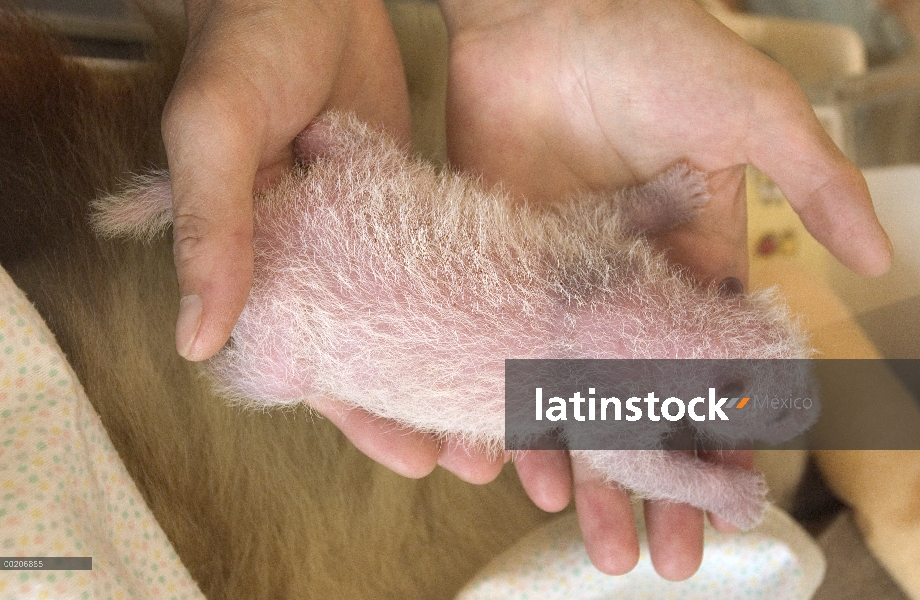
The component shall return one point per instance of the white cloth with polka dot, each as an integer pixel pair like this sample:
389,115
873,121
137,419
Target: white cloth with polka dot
64,491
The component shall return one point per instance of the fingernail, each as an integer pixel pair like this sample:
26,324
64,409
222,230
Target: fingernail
187,324
731,286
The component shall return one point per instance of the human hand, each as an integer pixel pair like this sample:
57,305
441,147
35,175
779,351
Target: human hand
553,96
253,76
605,514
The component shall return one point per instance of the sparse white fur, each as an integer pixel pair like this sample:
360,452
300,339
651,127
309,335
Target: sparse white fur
401,290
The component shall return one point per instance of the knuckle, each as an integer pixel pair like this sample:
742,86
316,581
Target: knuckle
199,239
190,235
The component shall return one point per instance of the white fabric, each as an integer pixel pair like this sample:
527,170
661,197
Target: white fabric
777,561
64,491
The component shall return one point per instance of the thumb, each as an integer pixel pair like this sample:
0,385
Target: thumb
827,191
212,163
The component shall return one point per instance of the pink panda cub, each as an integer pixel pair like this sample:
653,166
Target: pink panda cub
402,289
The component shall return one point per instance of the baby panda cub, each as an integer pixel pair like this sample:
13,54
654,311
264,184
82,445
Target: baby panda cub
401,289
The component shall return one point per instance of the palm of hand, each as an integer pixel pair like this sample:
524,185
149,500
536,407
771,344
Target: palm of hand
557,99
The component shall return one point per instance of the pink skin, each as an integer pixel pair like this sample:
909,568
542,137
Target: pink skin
380,282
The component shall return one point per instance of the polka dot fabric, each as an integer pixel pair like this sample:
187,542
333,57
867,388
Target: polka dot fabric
776,561
63,488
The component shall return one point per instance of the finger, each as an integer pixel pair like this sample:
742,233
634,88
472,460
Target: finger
743,459
827,191
605,516
406,452
675,538
212,163
467,464
546,477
